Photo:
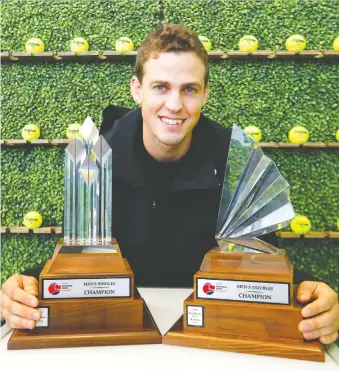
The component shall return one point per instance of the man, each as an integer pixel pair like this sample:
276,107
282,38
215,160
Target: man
168,167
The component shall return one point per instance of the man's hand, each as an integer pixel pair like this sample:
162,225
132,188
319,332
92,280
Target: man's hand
18,300
322,315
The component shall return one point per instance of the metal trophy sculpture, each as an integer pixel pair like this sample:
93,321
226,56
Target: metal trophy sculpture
88,190
87,295
244,297
255,198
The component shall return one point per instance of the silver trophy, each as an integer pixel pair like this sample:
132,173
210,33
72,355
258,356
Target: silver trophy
87,265
244,297
255,197
88,193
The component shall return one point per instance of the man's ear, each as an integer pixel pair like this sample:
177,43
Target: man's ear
136,90
206,91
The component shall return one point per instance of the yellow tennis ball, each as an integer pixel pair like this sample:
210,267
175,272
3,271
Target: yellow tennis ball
32,220
206,42
231,246
336,44
73,131
295,43
337,135
248,44
78,45
300,224
298,134
338,223
254,132
35,45
124,45
30,132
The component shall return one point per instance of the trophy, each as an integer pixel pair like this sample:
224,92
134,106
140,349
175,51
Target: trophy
244,297
87,295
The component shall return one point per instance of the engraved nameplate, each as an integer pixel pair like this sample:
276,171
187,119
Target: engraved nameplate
44,320
195,315
249,291
69,288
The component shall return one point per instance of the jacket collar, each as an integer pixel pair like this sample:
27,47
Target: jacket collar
198,170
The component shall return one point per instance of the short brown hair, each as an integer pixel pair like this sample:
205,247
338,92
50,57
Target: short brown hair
170,38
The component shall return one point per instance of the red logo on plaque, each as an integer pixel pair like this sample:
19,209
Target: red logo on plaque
208,288
54,288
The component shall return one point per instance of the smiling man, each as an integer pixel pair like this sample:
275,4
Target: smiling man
165,160
168,168
172,92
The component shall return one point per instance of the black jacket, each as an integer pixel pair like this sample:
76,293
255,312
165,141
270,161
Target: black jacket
164,233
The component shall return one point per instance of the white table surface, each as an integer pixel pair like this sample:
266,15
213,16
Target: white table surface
166,306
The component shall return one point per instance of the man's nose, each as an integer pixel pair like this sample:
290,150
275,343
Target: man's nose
174,102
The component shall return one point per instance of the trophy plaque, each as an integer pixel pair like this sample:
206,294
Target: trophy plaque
87,295
244,299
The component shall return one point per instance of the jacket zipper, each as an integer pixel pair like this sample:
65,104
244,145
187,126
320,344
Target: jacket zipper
153,215
152,224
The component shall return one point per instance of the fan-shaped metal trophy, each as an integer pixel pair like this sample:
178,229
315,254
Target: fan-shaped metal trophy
87,295
244,297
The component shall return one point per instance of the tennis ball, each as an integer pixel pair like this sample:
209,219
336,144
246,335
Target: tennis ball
337,135
32,220
300,224
336,44
338,223
78,45
254,132
298,134
206,42
73,131
35,45
30,132
124,44
231,246
295,43
248,44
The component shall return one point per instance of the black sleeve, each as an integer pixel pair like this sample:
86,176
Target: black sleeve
299,276
270,238
34,272
111,114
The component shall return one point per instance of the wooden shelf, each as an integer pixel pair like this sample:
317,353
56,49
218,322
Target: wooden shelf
58,230
296,145
333,234
333,145
41,142
65,142
24,230
111,55
328,234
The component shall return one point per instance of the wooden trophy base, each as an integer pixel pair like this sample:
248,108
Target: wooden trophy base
88,299
226,317
147,334
274,347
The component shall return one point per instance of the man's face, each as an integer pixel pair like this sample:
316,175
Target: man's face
172,94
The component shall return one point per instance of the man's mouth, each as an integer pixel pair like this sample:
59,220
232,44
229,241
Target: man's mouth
173,122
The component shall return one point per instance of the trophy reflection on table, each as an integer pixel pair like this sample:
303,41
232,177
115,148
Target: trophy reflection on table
244,297
87,295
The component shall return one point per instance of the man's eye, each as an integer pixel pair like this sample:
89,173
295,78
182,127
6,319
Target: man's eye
159,88
189,89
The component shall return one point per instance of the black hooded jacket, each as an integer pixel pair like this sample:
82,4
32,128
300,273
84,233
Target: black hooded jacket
164,214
